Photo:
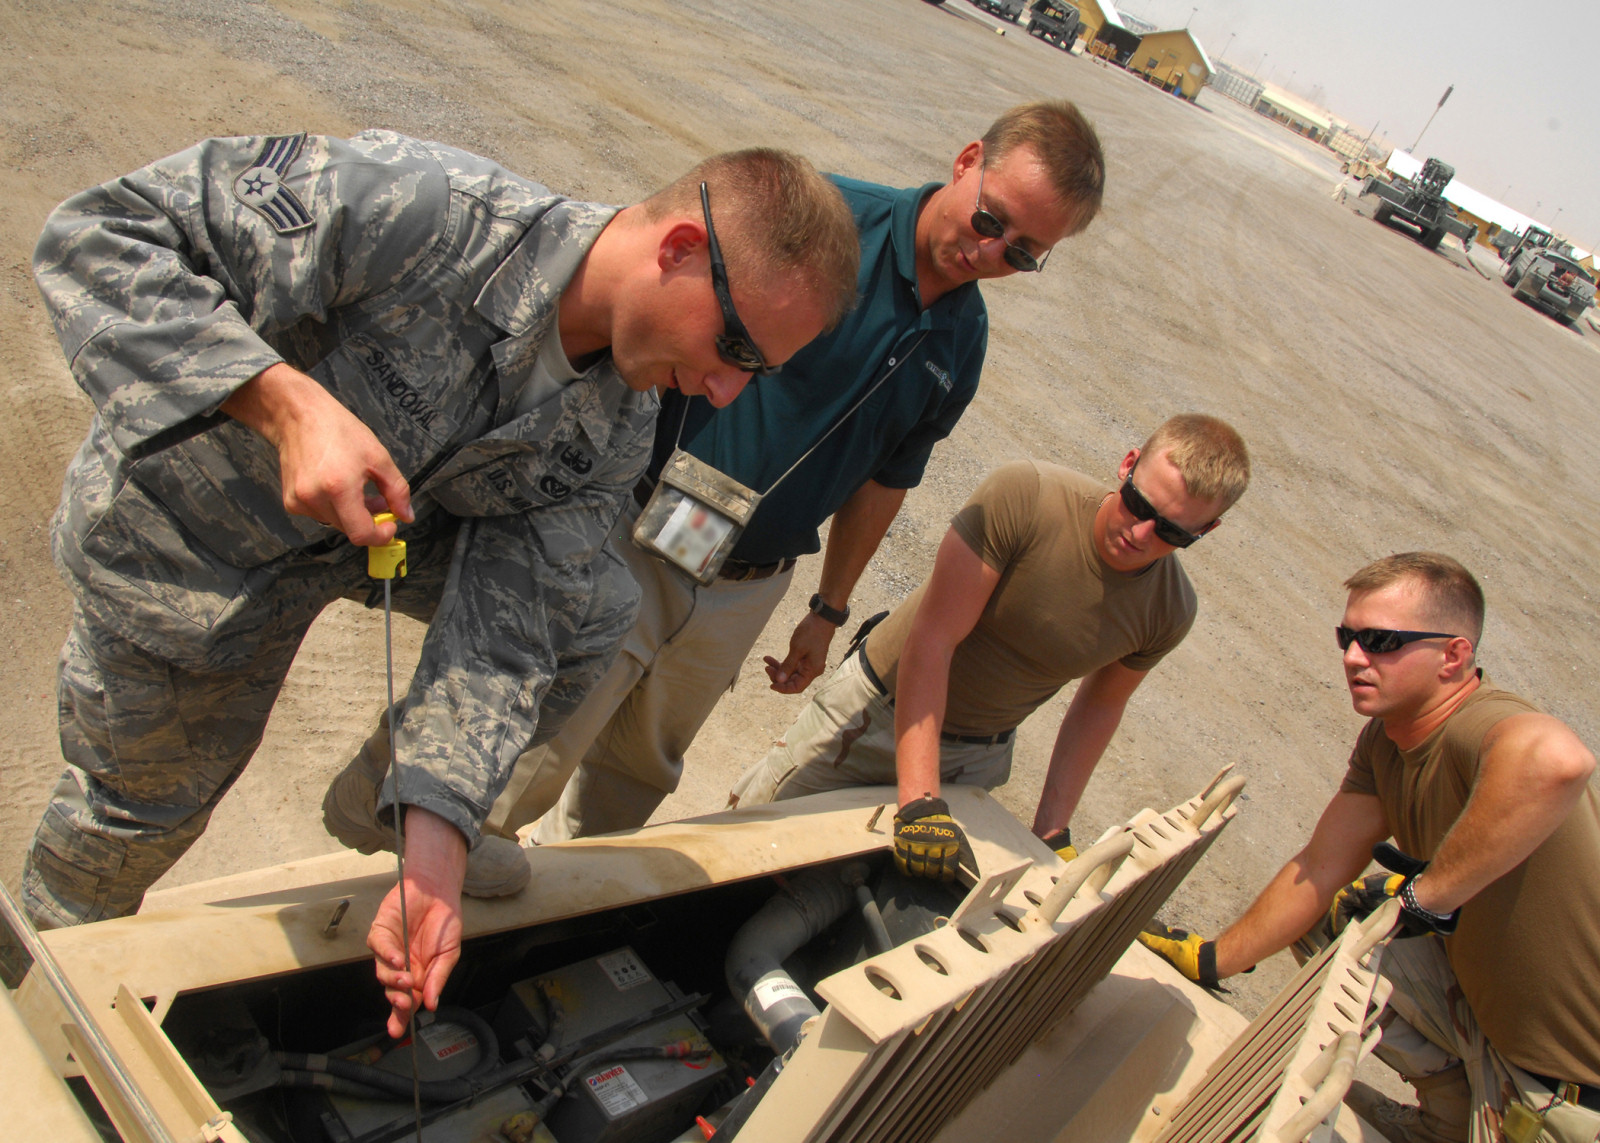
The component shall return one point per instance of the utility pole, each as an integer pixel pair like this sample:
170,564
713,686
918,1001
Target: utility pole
1411,149
1187,22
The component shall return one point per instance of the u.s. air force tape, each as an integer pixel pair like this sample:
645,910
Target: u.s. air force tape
261,187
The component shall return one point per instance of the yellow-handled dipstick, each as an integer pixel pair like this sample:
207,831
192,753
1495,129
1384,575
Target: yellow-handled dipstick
385,561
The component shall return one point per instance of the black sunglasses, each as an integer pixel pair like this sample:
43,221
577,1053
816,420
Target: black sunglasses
1141,509
1381,640
989,226
734,344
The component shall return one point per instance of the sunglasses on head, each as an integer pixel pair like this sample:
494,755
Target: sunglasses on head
988,226
1141,509
734,344
1381,640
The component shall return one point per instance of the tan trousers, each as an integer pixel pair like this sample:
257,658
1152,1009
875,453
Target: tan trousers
621,752
1432,1038
845,737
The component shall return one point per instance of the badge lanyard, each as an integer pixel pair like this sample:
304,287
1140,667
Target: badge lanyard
697,513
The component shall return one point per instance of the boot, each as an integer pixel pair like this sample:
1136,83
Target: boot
496,868
1442,1117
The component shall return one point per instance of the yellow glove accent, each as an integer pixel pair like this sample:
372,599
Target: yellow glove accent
1187,952
1358,899
927,841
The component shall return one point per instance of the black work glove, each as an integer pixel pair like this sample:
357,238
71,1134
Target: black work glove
1357,900
1187,952
1415,921
1061,842
927,841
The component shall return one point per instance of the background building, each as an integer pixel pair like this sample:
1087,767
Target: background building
1174,61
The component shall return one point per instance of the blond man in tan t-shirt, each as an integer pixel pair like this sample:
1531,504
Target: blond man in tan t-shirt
1497,1002
1045,576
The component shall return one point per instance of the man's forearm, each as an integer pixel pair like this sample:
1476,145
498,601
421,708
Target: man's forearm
858,528
1085,733
920,697
1532,775
1289,905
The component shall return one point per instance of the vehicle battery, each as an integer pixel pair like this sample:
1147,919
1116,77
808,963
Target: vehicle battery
616,1100
448,1052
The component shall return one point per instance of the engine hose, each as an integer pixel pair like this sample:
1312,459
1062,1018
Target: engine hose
322,1081
754,964
434,1091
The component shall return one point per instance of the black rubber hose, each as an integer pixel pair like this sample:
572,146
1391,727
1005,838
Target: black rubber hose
754,965
434,1091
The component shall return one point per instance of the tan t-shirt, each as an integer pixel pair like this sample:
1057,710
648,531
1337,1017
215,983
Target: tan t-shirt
1058,612
1527,948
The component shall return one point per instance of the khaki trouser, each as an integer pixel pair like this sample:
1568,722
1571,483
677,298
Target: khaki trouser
1432,1038
621,752
845,737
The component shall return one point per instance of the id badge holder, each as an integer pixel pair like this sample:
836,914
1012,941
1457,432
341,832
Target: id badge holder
695,516
1521,1123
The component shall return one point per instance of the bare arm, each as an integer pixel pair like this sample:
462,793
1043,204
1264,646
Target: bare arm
326,456
857,530
958,591
1339,849
1092,718
1534,770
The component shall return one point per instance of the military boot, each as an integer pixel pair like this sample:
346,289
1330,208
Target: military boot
496,868
1442,1117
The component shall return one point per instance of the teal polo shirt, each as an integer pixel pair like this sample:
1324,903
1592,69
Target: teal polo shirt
936,356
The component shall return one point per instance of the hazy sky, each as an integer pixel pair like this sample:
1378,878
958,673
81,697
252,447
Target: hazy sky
1523,111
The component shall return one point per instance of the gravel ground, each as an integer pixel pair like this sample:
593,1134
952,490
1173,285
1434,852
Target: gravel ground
1394,398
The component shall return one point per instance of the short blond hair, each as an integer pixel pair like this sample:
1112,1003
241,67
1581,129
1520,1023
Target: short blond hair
1208,453
1065,143
775,216
1450,593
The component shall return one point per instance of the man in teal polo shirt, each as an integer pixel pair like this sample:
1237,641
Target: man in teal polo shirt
921,329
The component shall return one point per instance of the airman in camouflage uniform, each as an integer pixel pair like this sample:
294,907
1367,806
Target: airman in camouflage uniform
502,370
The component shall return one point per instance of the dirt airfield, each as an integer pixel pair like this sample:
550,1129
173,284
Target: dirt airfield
1393,398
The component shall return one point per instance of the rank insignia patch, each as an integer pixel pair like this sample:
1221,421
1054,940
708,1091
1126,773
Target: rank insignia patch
261,187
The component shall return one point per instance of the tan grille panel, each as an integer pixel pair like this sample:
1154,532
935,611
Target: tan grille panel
1283,1078
910,1036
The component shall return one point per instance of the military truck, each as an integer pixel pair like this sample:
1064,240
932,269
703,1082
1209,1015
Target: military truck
1533,238
1549,279
762,974
1054,23
1418,203
1005,9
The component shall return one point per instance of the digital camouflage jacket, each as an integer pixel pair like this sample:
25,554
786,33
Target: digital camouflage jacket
417,283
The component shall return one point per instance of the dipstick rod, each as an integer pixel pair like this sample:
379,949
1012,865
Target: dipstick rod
385,561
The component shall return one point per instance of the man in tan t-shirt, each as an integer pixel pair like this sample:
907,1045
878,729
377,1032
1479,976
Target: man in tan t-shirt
1045,576
1497,1004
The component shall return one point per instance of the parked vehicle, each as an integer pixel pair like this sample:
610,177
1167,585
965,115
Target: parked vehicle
1551,281
1054,23
1419,203
1005,9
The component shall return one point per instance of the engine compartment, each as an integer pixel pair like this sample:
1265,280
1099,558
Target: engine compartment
629,1025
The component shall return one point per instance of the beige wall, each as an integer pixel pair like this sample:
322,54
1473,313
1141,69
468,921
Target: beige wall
1178,61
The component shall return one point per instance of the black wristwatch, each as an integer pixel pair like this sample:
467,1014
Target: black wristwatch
833,615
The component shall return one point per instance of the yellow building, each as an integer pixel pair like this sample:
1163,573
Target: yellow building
1104,32
1174,61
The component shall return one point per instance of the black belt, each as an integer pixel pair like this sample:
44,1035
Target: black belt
740,572
944,736
1583,1094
